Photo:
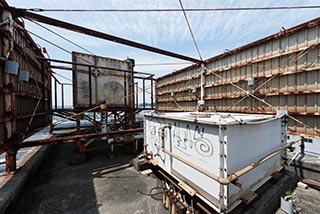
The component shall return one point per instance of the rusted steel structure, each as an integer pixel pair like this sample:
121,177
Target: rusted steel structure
279,72
105,94
59,23
91,84
25,86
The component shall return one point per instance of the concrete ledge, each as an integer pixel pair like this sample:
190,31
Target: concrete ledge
12,184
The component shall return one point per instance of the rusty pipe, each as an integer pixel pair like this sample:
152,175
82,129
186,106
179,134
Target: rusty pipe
235,175
163,134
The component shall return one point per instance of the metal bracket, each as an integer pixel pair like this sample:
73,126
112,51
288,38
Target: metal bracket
237,182
249,197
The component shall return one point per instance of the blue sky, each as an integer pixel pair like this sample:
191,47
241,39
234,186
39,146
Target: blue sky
214,31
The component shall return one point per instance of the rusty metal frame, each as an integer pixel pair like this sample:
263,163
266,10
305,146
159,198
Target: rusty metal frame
237,63
20,116
69,138
237,50
58,23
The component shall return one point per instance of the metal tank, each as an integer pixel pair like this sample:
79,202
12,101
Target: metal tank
215,159
107,81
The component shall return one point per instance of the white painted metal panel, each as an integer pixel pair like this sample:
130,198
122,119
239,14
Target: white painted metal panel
249,143
199,138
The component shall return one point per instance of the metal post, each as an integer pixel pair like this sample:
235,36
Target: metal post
51,127
125,89
137,94
90,88
156,97
62,96
78,142
55,94
103,107
151,91
11,157
202,81
43,87
201,102
144,93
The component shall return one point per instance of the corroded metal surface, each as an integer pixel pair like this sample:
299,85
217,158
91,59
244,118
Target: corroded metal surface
92,84
277,72
24,103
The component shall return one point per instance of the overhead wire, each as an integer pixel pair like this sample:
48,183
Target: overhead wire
56,74
248,94
184,12
65,50
282,71
168,63
177,9
190,30
46,40
63,37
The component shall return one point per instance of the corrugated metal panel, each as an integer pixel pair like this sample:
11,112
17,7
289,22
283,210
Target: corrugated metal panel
23,96
286,73
115,87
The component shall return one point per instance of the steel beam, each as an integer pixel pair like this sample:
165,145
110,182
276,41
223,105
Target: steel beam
88,65
58,23
70,138
11,164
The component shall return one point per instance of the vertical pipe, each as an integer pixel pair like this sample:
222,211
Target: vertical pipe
164,198
90,88
78,142
96,80
94,119
173,207
167,200
103,107
156,108
43,87
137,94
152,92
62,96
202,81
144,93
112,150
125,88
11,157
55,95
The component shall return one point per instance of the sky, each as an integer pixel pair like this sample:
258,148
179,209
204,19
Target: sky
214,31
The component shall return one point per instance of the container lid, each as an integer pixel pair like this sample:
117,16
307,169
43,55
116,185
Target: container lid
217,118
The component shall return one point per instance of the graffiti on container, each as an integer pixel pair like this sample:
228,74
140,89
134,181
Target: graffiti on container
155,138
189,140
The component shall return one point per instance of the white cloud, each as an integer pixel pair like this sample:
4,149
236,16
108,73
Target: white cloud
214,31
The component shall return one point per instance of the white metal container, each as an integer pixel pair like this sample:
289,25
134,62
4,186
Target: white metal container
219,143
